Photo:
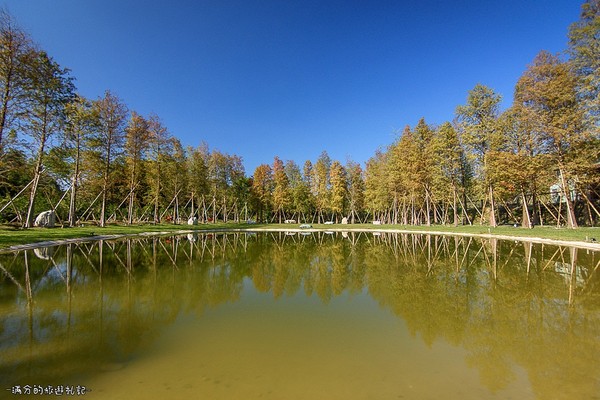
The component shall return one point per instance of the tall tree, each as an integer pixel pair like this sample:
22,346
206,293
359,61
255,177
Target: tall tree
519,163
262,186
339,189
377,193
159,138
356,189
548,90
198,174
584,48
403,178
16,57
175,173
81,123
321,184
479,123
223,170
424,176
302,203
108,140
281,191
49,89
449,157
308,179
137,134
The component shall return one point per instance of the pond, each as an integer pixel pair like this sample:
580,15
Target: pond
301,316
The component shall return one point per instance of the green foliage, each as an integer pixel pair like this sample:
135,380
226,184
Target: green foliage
356,188
584,48
16,53
262,186
339,189
321,184
282,198
198,172
478,121
377,195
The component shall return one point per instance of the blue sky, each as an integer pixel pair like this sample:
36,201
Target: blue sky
294,78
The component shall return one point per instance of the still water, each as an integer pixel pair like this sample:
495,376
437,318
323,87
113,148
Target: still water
290,316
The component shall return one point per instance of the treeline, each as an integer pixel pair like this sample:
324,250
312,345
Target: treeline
95,160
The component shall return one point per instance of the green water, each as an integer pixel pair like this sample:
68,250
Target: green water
317,316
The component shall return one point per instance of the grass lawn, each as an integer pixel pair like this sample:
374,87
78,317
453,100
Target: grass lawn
10,236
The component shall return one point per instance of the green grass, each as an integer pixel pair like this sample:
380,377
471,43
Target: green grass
10,236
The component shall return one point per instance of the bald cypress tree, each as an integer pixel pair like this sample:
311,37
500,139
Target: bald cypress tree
321,184
137,134
425,162
262,186
478,120
339,189
404,177
49,90
282,199
356,189
158,148
107,142
584,48
377,193
448,157
81,123
548,90
16,57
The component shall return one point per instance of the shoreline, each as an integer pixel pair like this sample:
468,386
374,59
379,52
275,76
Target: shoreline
558,242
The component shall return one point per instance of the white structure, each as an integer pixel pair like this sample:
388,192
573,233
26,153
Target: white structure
45,219
193,221
557,195
44,253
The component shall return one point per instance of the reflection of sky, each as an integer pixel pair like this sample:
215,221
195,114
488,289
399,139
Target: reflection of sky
57,273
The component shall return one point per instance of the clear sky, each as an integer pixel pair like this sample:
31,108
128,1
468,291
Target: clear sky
293,78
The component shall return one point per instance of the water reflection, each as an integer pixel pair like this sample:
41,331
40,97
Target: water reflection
515,307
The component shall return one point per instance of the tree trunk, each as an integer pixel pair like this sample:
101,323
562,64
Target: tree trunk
215,214
412,210
192,214
571,221
535,215
5,100
157,188
454,204
36,180
492,207
465,216
131,195
31,206
526,220
427,208
176,210
103,210
72,203
105,184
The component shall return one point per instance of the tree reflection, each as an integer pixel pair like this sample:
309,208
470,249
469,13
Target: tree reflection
508,304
